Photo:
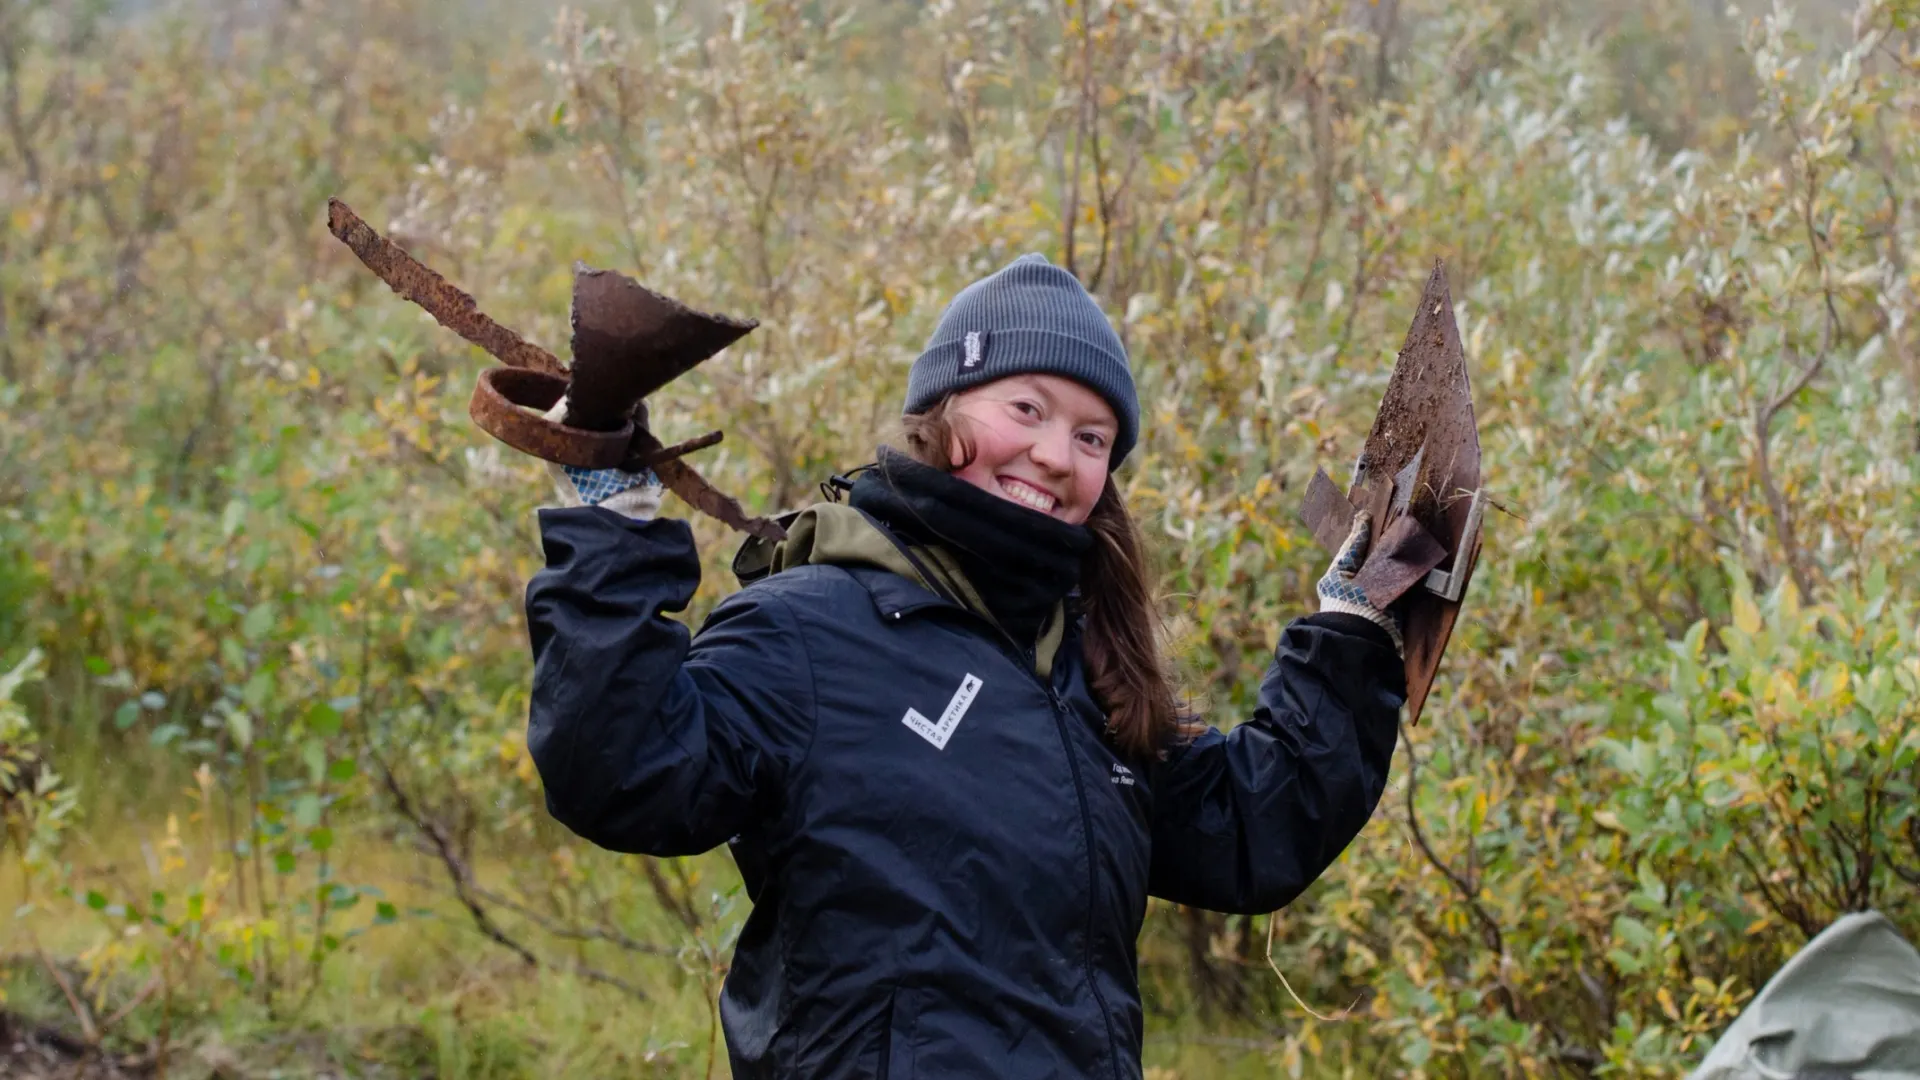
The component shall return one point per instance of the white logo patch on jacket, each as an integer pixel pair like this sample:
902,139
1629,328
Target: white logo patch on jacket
939,733
1122,776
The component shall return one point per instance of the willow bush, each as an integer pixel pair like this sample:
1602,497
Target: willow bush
267,559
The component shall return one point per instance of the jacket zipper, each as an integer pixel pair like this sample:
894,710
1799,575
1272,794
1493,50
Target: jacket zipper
1093,879
1086,830
1026,657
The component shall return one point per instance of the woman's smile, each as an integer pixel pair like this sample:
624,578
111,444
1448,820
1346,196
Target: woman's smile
1026,494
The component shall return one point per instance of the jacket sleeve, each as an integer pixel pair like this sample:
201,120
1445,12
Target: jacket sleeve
1243,822
649,741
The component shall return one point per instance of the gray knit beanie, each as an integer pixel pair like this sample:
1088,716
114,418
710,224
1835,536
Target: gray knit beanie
1031,317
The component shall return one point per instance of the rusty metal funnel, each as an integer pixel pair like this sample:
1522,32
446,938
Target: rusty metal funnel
629,341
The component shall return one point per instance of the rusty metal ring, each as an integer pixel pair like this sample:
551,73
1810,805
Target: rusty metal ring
500,402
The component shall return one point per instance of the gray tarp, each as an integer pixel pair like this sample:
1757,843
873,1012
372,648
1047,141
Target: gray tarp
1846,1007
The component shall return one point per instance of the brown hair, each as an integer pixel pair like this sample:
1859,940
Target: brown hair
1129,677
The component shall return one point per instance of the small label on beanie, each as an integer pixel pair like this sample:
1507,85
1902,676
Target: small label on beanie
975,347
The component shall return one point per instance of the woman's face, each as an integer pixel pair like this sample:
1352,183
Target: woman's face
1042,441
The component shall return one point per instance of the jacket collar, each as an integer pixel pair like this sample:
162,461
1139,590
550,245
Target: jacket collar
838,535
895,596
896,582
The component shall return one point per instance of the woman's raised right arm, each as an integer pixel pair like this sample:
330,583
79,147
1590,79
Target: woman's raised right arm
648,740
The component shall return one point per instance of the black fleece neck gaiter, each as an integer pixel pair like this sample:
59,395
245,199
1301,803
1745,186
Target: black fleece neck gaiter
1021,562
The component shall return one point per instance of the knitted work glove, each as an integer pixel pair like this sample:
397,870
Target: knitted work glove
633,495
1339,593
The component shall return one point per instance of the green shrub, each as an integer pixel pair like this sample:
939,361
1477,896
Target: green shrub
244,517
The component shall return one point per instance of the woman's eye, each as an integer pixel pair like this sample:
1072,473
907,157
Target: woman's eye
1027,408
1094,439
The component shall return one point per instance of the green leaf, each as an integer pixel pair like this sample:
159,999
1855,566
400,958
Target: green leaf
384,912
320,839
342,770
1628,963
283,862
306,811
1633,932
96,665
232,518
125,716
240,726
258,690
96,900
259,620
323,719
1651,884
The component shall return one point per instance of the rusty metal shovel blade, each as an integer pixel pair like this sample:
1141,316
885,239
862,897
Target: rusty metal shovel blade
1418,478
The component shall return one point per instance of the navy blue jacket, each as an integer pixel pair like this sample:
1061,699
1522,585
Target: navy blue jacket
948,862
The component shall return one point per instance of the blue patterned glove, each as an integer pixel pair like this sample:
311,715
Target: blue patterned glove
630,494
1339,593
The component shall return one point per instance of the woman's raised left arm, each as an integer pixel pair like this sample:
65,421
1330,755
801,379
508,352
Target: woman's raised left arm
1243,822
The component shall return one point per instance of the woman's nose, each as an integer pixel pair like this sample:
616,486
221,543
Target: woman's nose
1052,450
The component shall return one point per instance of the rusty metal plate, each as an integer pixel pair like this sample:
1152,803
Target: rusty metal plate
1416,478
1399,561
1326,512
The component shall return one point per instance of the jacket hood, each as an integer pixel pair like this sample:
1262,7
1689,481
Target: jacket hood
826,533
835,534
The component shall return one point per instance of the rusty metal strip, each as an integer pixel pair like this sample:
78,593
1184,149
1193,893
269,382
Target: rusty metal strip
678,450
681,479
500,404
451,307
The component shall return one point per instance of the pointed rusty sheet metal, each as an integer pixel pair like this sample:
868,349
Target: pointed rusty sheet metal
1417,477
629,341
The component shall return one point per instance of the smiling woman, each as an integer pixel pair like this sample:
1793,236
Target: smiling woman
1040,440
935,729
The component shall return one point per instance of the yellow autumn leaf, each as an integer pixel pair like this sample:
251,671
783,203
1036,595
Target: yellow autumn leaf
1746,617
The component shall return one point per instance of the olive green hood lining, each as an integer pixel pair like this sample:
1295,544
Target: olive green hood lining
834,534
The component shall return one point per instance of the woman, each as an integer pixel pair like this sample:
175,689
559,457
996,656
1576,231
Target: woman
935,729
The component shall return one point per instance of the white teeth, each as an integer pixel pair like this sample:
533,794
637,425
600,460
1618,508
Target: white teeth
1029,496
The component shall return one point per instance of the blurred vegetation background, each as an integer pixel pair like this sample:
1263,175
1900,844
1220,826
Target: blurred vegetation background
267,805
